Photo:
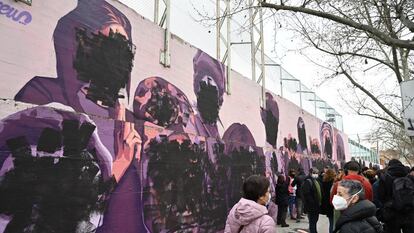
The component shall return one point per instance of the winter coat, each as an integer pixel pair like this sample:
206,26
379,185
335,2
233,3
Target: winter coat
326,206
310,195
365,183
282,194
252,216
359,218
386,181
298,181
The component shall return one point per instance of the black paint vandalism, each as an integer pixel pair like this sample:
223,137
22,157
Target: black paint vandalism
188,190
177,172
162,107
294,165
322,163
274,164
46,194
105,62
302,135
208,102
244,163
272,127
328,147
315,148
291,144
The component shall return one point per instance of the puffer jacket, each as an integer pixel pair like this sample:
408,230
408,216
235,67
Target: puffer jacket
252,216
360,218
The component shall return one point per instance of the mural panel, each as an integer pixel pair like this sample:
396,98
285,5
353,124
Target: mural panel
97,136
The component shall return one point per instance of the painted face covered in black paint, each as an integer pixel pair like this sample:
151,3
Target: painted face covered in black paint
105,63
208,100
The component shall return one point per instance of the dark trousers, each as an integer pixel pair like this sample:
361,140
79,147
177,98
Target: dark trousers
313,220
299,207
281,214
292,200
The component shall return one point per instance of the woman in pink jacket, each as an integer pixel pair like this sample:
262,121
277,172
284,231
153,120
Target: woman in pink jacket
250,213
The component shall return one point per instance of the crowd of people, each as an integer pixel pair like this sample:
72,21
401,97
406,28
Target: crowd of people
354,199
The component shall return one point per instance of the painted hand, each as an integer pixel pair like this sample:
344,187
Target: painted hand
127,144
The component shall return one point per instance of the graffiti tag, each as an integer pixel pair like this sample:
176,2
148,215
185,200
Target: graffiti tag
14,14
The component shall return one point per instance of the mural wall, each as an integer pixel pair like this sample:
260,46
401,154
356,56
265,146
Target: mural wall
97,136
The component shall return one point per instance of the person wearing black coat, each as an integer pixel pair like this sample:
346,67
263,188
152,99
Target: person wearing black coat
312,198
282,200
298,182
357,214
326,206
394,220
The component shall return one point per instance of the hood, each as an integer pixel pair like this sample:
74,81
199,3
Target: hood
397,170
247,211
361,210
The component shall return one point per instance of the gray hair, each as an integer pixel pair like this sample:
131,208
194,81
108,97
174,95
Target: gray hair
314,170
353,187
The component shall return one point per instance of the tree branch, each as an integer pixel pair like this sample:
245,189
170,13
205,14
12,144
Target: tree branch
372,97
377,33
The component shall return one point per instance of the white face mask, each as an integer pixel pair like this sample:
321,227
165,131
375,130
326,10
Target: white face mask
315,176
341,203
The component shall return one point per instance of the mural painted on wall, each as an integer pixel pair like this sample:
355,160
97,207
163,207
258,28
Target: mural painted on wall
115,143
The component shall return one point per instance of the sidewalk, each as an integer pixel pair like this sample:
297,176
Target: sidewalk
323,225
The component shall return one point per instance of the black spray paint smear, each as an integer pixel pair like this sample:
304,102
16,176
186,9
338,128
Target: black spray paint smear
162,107
53,194
315,149
302,138
208,103
244,163
328,148
178,175
105,62
271,126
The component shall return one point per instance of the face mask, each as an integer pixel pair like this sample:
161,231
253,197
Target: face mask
341,203
314,176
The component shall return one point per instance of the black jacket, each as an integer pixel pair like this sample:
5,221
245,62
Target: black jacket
282,193
310,195
298,181
360,218
386,180
326,206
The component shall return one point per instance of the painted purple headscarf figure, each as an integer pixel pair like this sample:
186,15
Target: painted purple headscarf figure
340,148
38,147
161,103
90,77
209,87
326,136
270,118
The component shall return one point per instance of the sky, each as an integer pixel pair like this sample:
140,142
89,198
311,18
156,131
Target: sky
282,48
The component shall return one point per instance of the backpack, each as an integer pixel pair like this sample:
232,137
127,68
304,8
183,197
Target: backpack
403,193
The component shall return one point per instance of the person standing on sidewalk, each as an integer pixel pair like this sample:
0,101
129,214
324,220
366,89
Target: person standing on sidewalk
292,194
326,207
357,214
282,200
250,213
312,194
395,192
298,182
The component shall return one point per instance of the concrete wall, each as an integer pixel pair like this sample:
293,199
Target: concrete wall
97,135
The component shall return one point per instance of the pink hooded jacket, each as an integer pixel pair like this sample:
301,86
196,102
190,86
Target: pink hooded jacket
252,216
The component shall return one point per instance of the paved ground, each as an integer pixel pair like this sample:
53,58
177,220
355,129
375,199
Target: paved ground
323,225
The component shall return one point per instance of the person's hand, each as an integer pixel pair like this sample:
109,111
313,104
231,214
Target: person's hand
127,143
